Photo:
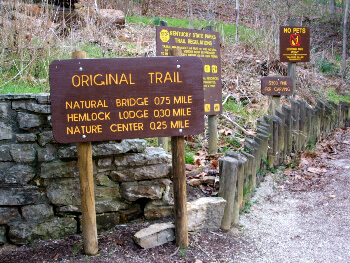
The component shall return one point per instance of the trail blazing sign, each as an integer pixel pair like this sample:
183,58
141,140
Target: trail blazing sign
200,43
125,98
294,44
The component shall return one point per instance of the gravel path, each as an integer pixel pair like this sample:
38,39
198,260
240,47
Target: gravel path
284,226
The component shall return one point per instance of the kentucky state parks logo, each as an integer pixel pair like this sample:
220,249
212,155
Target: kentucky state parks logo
164,35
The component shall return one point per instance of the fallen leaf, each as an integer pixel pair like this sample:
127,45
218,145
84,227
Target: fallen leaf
314,170
214,164
288,172
56,257
190,167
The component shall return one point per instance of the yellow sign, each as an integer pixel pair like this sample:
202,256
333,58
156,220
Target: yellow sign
164,35
216,107
207,107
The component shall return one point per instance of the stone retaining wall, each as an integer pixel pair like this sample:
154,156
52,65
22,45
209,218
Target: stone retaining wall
39,181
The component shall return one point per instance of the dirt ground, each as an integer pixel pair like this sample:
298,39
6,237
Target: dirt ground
300,214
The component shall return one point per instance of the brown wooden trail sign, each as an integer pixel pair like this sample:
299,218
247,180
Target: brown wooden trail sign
294,44
124,98
102,97
200,43
277,85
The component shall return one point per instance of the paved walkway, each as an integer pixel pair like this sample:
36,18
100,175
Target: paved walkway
311,226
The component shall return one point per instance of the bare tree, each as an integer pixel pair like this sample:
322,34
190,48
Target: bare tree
237,19
344,39
190,13
332,6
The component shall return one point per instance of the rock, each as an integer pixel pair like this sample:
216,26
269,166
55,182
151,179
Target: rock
103,193
195,172
104,164
208,180
31,137
5,132
64,191
150,156
107,221
68,152
37,213
23,233
154,189
134,145
23,153
111,206
21,196
4,110
157,209
205,213
2,235
131,214
155,235
59,169
125,146
160,208
31,106
141,173
19,174
29,121
5,155
9,215
112,17
43,98
102,179
47,154
194,182
45,138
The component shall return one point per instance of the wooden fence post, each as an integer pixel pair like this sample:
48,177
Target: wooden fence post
229,173
87,194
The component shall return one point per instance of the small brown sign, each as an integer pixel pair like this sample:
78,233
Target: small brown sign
124,98
294,44
200,43
277,85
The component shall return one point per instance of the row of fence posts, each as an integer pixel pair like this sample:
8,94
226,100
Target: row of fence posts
289,130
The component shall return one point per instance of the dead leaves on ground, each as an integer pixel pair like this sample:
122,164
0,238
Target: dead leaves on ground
204,173
312,169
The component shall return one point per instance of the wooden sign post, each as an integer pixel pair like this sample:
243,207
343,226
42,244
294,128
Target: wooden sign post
87,193
179,182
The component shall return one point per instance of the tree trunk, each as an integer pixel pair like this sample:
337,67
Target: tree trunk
332,6
344,39
237,19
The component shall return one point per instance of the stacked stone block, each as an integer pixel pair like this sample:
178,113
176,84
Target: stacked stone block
39,180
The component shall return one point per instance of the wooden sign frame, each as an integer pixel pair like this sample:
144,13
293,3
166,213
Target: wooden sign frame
125,98
277,86
200,43
294,44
